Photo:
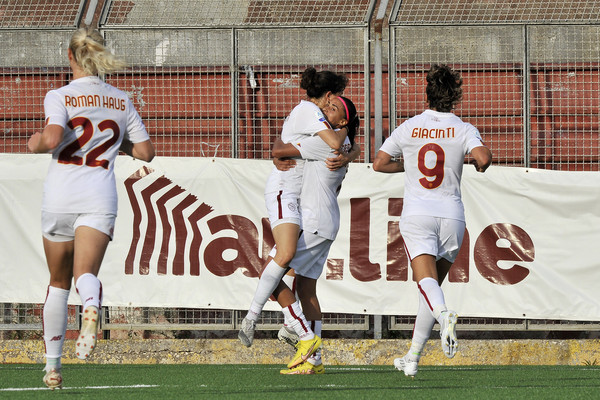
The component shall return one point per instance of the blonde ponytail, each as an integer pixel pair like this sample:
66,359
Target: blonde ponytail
90,53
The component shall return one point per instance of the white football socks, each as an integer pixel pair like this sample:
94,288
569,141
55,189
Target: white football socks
317,327
296,320
270,278
434,297
422,330
55,325
90,290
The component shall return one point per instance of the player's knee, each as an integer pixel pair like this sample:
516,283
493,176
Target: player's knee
283,257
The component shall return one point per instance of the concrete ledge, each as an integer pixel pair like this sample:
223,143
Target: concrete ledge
335,352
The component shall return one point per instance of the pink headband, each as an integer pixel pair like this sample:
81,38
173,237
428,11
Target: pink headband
346,107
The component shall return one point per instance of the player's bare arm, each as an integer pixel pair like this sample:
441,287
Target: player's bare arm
482,158
342,158
385,163
284,164
46,141
141,151
282,153
334,139
282,150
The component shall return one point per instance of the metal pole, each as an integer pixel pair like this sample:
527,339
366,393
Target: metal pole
378,81
233,69
89,16
526,98
377,327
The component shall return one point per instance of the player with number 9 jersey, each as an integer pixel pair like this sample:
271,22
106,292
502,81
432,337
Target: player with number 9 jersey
433,145
96,117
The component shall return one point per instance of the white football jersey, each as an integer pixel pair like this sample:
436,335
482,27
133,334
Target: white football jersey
96,117
306,119
320,209
433,145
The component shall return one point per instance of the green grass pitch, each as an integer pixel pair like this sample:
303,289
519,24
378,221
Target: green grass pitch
24,381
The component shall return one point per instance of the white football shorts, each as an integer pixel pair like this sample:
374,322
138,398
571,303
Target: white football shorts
439,237
311,255
283,208
60,227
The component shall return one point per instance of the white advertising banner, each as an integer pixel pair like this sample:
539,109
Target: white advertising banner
192,232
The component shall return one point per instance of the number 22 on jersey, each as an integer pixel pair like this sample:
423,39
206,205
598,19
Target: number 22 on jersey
437,171
67,155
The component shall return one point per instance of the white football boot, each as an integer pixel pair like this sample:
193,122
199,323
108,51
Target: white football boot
409,368
448,333
246,334
86,341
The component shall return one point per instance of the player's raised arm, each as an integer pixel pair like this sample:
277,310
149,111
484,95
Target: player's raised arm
334,139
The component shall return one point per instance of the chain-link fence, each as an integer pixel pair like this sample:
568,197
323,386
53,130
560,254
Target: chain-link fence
216,78
530,71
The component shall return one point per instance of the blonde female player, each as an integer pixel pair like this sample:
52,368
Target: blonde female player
321,222
283,188
433,145
87,122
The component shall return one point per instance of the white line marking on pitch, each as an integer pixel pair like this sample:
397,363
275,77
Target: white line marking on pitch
80,387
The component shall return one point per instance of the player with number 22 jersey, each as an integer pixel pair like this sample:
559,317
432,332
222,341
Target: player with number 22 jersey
96,117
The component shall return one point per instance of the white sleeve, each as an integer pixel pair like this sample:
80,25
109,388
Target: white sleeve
313,148
391,145
55,110
473,139
312,121
136,130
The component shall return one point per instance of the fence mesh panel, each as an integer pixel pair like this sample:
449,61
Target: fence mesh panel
272,62
235,12
565,101
31,64
497,11
490,60
37,14
24,316
180,83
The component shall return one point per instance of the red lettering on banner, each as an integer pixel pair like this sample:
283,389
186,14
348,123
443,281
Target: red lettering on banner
181,233
335,269
196,242
487,253
397,260
242,249
360,219
148,246
459,272
166,228
245,246
137,216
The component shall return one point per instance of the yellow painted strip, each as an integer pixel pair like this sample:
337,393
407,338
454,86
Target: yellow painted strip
335,352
